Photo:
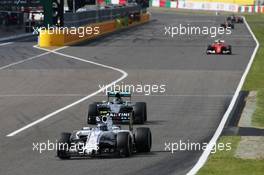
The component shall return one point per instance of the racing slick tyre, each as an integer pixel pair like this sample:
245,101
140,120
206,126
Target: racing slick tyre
229,48
223,25
140,113
124,144
209,48
92,113
240,20
63,146
145,109
143,139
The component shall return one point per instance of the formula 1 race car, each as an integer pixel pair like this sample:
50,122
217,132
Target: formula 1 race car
104,140
119,109
235,19
228,24
219,47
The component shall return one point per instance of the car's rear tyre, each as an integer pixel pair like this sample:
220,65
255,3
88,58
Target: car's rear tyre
124,144
209,48
229,48
63,146
140,113
143,139
92,114
240,20
146,113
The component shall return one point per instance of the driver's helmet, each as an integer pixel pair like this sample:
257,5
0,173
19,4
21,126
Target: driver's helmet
217,41
117,99
102,126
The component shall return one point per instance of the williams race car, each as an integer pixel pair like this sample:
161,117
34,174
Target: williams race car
104,140
219,47
228,24
120,110
235,19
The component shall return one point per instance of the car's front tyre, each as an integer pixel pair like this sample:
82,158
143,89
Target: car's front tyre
143,139
140,113
124,144
64,146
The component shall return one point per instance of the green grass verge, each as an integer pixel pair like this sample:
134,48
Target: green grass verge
258,116
225,163
255,78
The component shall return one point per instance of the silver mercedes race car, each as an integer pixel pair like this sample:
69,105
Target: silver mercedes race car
104,140
120,110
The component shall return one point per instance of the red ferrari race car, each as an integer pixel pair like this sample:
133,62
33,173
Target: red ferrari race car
219,47
235,19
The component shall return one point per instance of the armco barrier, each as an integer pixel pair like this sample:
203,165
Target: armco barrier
60,38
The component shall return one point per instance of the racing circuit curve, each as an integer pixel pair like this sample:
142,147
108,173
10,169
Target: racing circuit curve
198,90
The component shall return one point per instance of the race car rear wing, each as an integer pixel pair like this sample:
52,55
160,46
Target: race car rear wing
219,41
122,94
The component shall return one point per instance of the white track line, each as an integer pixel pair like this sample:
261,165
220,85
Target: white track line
4,44
124,75
220,128
30,58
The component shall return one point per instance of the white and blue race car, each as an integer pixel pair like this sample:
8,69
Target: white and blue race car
104,140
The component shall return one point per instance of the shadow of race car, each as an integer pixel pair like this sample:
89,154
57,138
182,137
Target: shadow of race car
104,140
219,47
120,110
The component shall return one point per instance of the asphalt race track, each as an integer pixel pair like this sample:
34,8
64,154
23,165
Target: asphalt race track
198,91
